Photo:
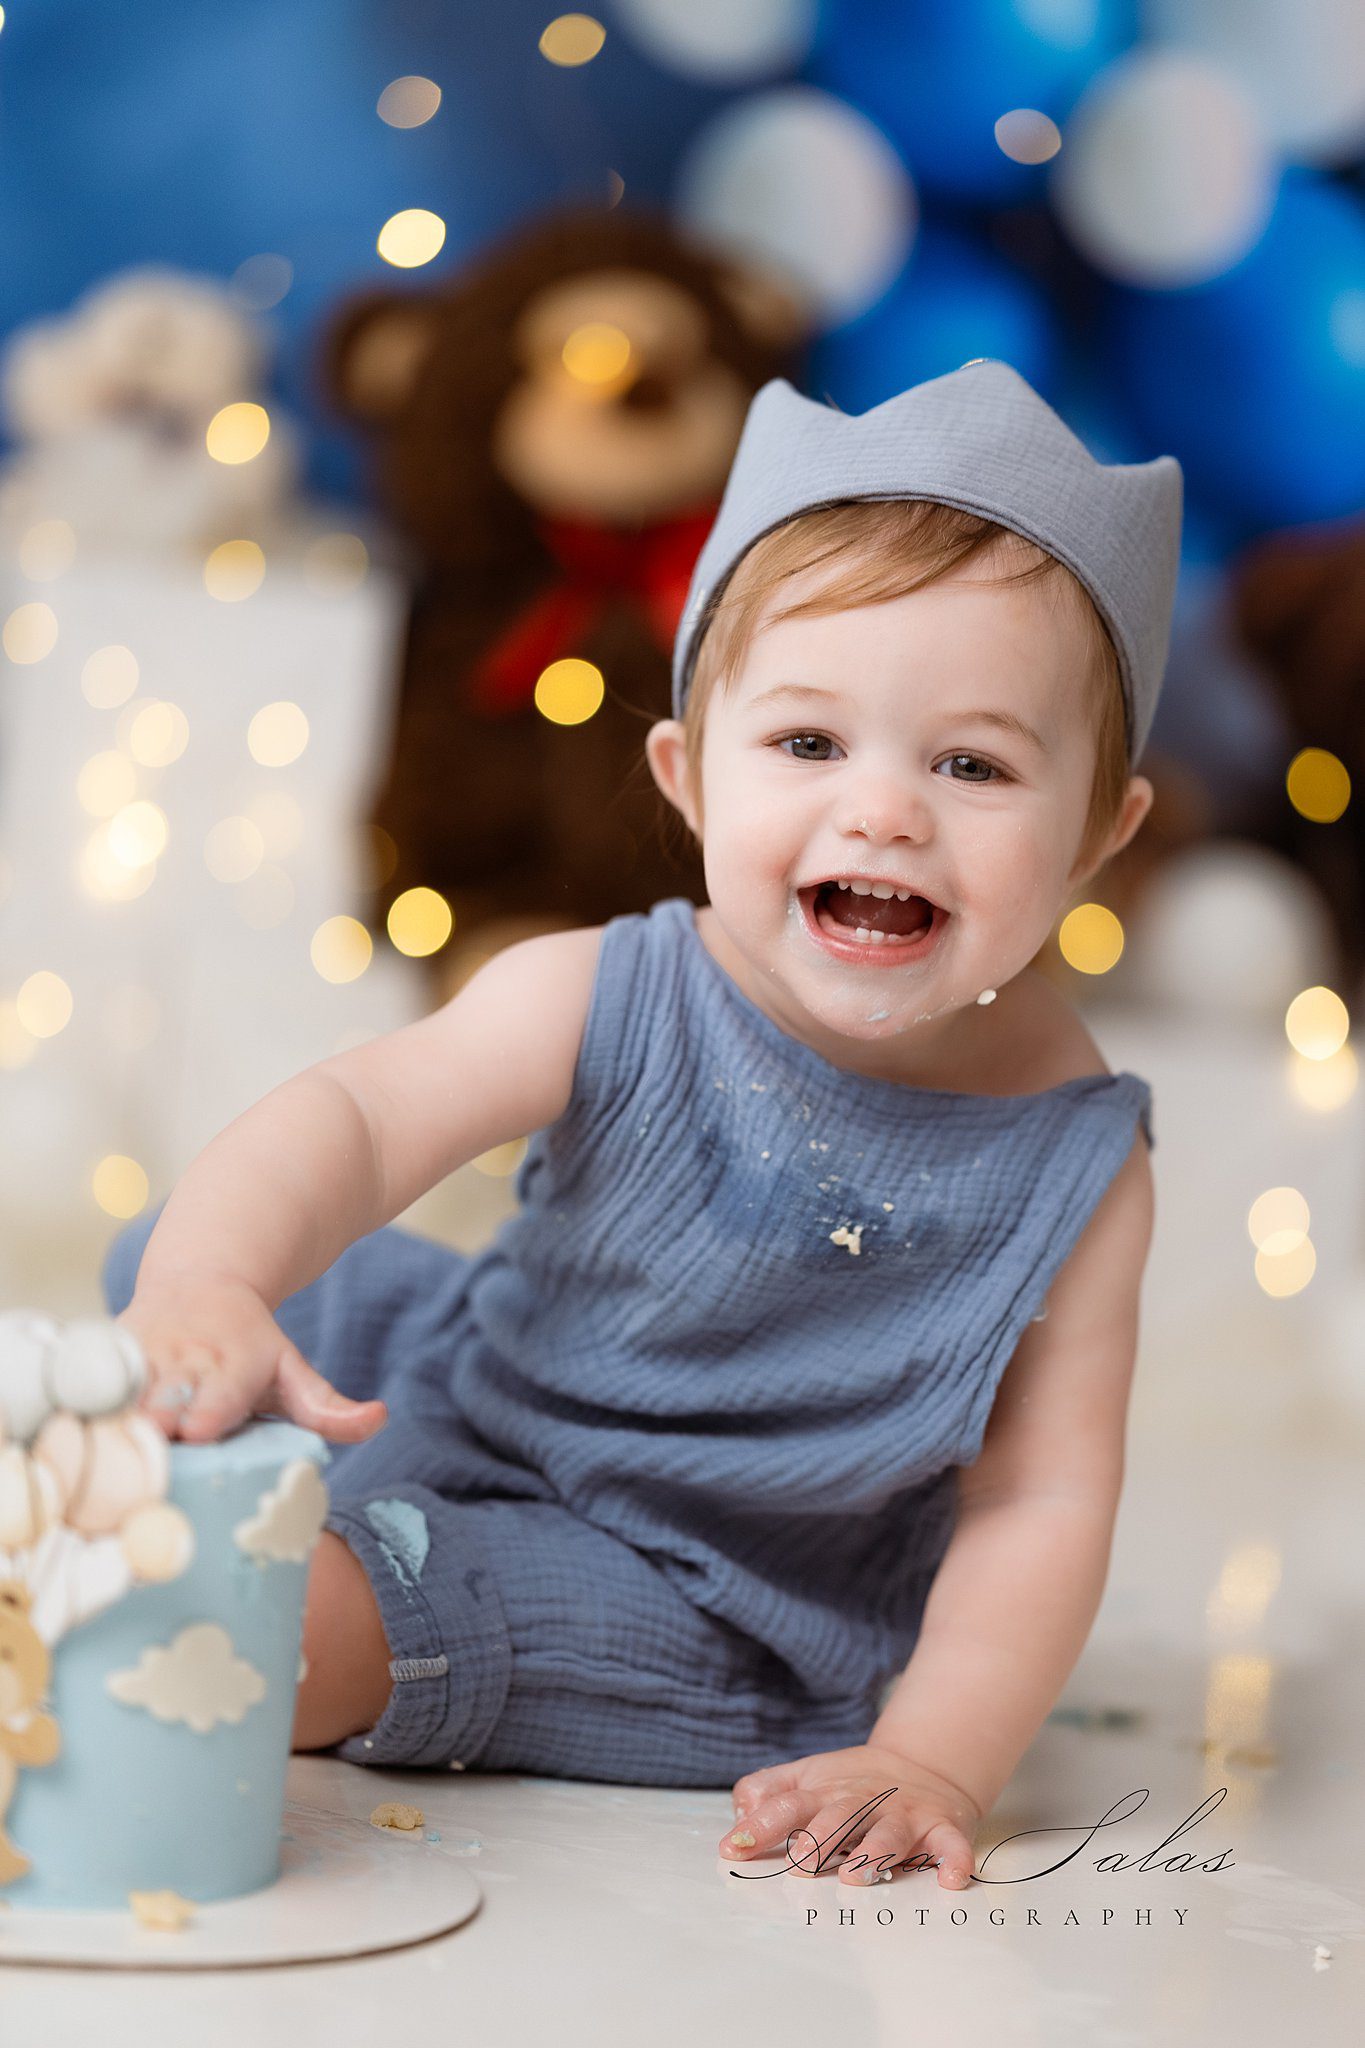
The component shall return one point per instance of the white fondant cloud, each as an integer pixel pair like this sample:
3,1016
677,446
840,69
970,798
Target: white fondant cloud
198,1678
288,1520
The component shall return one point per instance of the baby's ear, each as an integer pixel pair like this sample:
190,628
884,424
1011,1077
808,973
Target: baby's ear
666,752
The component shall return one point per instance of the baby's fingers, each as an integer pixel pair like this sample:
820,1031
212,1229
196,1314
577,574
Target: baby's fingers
314,1403
218,1400
896,1840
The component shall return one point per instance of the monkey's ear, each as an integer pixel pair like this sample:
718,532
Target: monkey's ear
766,301
374,351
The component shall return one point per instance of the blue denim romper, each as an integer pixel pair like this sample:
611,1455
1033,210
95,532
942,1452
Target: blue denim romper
671,1465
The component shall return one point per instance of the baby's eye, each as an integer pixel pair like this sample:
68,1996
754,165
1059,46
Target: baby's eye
802,739
989,766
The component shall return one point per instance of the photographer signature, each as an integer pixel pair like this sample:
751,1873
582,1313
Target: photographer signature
1113,1860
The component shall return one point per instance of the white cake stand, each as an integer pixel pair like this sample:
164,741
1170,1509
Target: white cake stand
346,1889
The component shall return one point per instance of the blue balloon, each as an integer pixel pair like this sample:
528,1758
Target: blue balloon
938,74
1256,380
953,300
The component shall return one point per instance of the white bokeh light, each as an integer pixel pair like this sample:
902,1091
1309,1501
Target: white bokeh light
717,41
1165,177
802,181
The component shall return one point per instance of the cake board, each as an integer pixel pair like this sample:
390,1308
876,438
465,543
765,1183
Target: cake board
346,1888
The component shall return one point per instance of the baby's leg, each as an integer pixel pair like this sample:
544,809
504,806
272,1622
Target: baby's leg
347,1682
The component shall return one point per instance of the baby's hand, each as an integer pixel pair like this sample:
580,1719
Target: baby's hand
215,1355
813,1811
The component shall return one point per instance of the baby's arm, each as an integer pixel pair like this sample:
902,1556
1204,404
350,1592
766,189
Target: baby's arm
1015,1596
336,1152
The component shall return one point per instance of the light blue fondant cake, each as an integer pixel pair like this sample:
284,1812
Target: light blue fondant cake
173,1704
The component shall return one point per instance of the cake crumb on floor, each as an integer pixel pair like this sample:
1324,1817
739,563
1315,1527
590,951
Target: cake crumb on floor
393,1814
166,1911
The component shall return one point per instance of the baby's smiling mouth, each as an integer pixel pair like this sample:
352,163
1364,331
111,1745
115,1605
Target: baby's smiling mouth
837,909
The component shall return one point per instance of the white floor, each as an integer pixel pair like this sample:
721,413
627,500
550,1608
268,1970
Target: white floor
1228,1658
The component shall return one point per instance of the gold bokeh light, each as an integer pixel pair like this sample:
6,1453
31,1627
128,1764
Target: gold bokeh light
238,433
1316,1023
341,949
572,39
597,353
1277,1221
120,1186
411,238
419,922
235,570
1090,938
569,691
1318,785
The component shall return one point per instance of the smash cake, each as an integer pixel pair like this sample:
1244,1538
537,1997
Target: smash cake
151,1612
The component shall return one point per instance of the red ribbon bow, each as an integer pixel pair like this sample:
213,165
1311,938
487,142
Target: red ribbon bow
651,568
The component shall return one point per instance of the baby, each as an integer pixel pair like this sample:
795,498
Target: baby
810,1344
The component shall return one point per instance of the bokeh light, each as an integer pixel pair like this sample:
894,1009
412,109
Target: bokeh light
336,562
30,633
341,949
1324,1086
408,102
569,691
138,833
107,781
411,238
1278,1220
1316,1023
120,1186
277,734
109,677
1027,136
158,735
47,550
1318,785
238,432
1090,938
419,922
235,570
597,353
1282,1274
44,1004
572,39
233,849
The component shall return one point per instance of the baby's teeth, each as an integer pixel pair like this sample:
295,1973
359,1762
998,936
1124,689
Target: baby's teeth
871,938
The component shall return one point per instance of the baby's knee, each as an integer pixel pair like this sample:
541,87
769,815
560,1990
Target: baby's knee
118,1275
346,1683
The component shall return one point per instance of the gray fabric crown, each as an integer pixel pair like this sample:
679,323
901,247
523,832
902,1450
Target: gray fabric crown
982,439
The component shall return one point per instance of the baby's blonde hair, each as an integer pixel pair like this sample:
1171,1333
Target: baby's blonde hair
881,549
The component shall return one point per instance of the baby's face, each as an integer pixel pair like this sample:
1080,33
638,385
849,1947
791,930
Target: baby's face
893,773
